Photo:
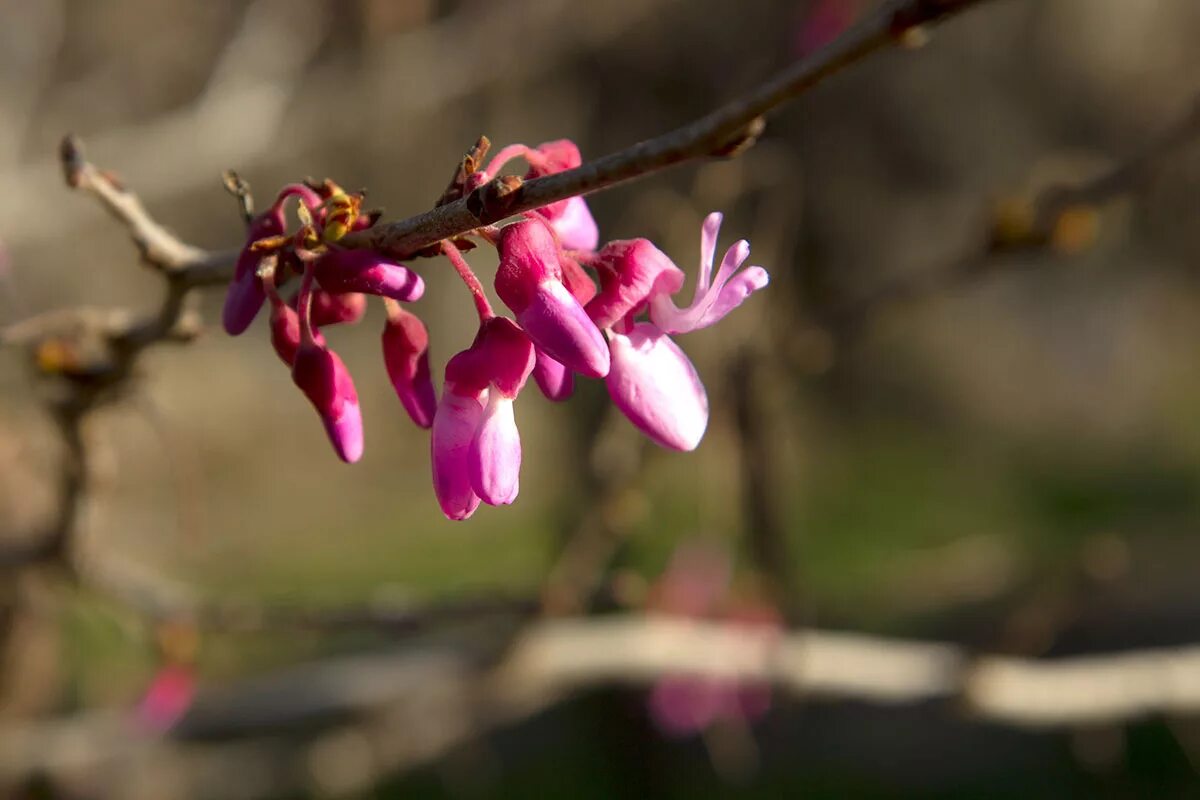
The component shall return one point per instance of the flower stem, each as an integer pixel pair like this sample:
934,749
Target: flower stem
482,306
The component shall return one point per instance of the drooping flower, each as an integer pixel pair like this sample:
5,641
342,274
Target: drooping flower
651,380
326,382
406,357
475,444
245,295
529,280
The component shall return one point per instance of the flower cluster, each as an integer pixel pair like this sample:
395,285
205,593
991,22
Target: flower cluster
579,309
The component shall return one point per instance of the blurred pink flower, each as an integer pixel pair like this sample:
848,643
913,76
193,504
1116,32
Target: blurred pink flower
696,584
167,698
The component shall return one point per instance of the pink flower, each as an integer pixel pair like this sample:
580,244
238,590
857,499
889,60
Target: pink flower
406,357
326,382
246,295
475,444
697,584
365,271
529,280
657,388
651,380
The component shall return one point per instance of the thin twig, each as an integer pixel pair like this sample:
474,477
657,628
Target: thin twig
726,131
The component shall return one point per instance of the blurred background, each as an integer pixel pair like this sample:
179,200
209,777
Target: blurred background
915,432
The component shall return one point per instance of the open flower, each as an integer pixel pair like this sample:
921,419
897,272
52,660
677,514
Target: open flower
475,444
651,379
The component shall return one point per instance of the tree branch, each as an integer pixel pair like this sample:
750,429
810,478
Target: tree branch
724,132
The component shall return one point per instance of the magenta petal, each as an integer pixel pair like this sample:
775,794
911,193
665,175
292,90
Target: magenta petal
454,427
285,332
631,272
655,385
495,456
555,381
244,298
557,324
324,379
406,356
337,309
365,271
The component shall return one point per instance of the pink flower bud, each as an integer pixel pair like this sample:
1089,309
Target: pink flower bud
554,380
656,386
365,271
324,379
529,281
631,271
246,296
406,356
336,309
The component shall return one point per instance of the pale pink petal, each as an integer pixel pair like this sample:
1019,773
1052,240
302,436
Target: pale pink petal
575,225
656,386
454,427
726,292
708,250
734,293
495,456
